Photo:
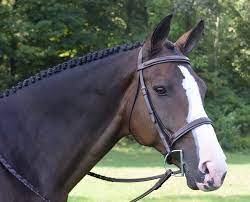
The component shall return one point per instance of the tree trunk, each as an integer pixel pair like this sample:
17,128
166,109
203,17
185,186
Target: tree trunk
216,41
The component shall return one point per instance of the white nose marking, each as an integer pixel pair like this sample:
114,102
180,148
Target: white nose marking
209,149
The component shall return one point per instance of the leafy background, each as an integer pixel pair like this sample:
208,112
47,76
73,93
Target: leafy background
36,34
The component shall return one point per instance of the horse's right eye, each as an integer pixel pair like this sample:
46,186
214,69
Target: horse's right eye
160,90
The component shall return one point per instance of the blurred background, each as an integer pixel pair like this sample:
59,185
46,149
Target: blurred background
38,34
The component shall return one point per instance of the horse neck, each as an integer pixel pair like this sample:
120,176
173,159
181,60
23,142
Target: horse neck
119,80
65,125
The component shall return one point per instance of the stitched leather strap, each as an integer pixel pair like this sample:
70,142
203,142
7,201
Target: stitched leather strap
21,179
162,179
164,59
149,104
124,180
157,185
188,127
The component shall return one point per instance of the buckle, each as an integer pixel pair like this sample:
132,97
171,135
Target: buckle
178,156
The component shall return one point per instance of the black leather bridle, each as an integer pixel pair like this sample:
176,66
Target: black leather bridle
168,139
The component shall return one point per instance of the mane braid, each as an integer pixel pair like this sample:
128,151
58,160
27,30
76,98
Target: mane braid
90,57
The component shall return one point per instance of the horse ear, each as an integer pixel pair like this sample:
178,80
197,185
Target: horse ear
190,39
154,43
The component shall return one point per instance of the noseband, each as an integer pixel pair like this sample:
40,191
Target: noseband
167,138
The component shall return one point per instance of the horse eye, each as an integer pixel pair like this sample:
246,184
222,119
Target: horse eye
160,90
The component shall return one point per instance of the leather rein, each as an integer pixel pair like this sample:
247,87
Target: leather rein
167,138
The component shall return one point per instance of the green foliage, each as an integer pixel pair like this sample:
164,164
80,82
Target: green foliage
36,34
232,124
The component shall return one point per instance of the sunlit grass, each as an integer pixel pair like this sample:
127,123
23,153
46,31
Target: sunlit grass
135,162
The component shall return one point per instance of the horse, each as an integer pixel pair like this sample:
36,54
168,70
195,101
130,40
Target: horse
56,125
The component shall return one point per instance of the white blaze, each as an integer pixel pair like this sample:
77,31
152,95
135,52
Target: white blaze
210,153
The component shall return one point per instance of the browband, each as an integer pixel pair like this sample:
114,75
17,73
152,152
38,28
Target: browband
163,59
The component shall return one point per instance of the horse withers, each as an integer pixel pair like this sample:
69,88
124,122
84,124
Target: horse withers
58,124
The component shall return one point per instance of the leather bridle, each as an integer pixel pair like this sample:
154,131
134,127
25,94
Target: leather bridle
168,139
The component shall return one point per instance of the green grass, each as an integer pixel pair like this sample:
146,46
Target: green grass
141,161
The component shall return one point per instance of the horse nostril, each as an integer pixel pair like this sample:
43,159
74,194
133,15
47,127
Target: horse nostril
211,175
206,171
211,183
204,168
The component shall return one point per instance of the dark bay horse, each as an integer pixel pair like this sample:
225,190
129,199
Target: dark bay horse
56,125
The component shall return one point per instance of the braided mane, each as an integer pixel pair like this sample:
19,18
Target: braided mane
68,65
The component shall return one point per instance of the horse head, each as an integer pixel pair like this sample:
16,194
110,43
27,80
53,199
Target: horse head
175,99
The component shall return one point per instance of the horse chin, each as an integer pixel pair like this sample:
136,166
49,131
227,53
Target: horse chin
191,183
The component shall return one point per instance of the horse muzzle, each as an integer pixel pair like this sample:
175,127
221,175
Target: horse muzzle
213,177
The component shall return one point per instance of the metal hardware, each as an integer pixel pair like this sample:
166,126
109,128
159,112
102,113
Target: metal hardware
178,156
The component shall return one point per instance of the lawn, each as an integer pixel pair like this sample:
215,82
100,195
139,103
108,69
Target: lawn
141,161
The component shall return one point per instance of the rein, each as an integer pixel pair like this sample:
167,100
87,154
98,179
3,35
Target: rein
167,138
162,178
